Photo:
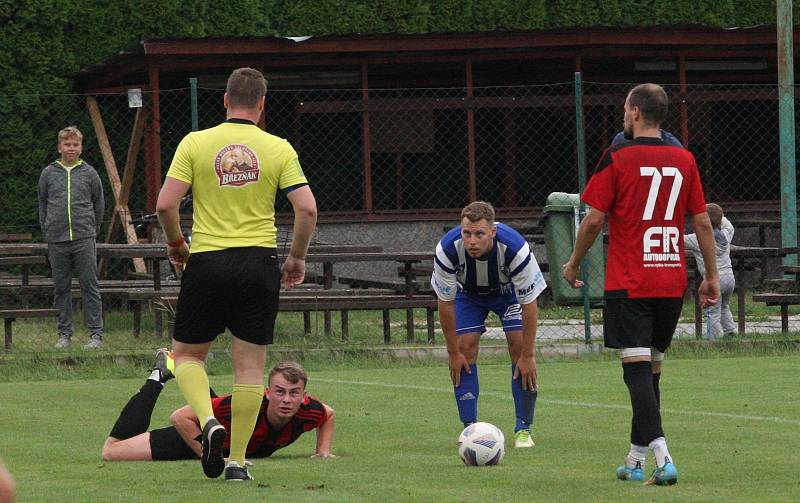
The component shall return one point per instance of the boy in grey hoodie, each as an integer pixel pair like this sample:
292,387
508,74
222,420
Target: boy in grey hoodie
719,320
71,207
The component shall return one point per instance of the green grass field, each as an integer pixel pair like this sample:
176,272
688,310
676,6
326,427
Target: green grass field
732,424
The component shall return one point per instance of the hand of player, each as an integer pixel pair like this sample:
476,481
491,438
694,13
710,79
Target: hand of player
708,293
570,273
457,361
293,272
178,255
526,370
323,455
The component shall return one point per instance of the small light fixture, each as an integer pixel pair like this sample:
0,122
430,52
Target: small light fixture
135,98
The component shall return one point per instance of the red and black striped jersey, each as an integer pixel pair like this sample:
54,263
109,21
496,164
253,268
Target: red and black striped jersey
266,439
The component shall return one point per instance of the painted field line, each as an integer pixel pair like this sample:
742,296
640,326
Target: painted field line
571,403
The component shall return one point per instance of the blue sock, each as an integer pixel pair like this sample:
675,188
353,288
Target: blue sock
524,402
467,396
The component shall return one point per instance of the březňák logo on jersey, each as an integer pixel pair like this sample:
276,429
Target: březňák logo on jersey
236,165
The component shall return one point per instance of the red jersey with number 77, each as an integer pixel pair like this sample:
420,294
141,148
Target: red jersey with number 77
646,188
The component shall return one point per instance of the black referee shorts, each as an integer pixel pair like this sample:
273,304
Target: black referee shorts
235,289
640,323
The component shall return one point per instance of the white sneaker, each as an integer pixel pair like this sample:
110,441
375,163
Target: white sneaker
63,341
94,343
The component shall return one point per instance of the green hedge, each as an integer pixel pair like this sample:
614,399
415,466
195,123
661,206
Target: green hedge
47,41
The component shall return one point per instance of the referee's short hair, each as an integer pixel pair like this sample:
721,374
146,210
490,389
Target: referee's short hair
292,371
652,101
245,87
477,211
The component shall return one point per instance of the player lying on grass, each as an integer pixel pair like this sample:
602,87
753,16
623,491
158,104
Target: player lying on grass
286,413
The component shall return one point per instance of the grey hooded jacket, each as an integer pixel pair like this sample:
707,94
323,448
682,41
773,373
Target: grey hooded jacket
722,238
71,203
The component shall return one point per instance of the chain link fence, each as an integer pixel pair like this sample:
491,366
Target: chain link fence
416,152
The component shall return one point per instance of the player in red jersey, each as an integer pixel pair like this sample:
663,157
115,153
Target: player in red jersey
286,413
646,188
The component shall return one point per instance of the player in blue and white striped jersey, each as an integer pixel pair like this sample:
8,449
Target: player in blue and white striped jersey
483,266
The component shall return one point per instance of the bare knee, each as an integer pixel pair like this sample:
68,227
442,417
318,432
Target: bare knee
108,449
469,344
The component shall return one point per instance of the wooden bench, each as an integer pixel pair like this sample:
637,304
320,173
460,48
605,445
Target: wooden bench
379,282
10,315
328,301
26,261
792,275
20,237
779,299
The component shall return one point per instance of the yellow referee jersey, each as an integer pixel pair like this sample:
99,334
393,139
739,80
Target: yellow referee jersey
235,170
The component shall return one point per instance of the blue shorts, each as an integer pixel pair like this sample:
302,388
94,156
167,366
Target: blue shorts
471,312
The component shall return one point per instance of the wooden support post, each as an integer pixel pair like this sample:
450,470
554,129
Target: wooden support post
137,318
153,173
159,323
429,319
472,179
327,274
113,175
8,322
698,312
784,318
345,326
307,322
410,325
740,292
328,324
684,106
387,334
408,269
366,135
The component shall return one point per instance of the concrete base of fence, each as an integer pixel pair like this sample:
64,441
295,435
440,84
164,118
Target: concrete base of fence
433,352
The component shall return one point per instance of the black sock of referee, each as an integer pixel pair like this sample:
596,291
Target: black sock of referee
656,389
646,416
135,416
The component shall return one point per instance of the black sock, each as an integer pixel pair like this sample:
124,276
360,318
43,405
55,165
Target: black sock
646,424
135,416
656,389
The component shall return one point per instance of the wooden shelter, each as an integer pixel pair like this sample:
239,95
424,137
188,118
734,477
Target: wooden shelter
681,56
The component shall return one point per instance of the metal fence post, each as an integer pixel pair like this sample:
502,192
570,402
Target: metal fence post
193,91
786,121
580,145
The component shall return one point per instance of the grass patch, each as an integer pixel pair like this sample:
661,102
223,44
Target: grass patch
397,426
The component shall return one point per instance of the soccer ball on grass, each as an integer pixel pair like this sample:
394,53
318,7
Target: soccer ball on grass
481,444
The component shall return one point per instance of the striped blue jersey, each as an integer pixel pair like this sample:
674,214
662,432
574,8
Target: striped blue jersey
509,268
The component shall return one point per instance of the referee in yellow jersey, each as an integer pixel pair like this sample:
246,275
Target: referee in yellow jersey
232,277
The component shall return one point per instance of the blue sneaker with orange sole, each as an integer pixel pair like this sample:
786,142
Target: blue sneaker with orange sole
666,475
627,473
